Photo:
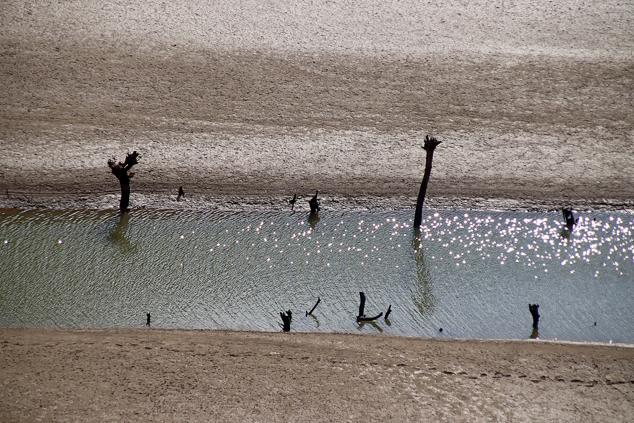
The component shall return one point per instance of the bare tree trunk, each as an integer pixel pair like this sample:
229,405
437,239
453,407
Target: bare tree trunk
361,305
286,320
534,309
124,203
123,174
430,145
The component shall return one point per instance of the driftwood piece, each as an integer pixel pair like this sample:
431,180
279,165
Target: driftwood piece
310,313
387,313
361,316
430,145
369,319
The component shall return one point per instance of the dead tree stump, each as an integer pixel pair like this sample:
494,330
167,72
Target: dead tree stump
286,320
292,201
534,309
314,203
123,174
430,145
569,219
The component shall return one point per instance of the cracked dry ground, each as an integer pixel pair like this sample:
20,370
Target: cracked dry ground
227,376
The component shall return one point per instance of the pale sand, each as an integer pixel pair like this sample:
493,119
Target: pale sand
155,375
244,103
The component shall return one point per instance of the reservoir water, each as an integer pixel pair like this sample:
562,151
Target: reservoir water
471,273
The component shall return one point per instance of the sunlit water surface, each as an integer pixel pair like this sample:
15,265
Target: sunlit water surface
471,273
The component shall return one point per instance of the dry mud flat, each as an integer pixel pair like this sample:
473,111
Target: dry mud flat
532,102
132,375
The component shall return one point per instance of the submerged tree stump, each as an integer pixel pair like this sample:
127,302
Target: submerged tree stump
314,203
123,174
430,145
534,309
286,320
569,219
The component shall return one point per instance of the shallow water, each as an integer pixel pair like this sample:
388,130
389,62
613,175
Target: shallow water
471,273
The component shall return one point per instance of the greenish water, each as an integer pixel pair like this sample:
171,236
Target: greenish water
471,273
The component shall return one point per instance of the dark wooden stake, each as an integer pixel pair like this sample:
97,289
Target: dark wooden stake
310,313
123,174
361,305
534,309
430,145
181,193
286,320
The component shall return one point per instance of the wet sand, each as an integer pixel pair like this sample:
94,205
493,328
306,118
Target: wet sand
244,104
132,375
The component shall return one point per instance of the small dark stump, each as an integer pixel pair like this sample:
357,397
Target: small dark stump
286,320
314,203
534,309
570,219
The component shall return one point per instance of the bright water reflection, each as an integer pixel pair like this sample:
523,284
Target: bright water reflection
471,273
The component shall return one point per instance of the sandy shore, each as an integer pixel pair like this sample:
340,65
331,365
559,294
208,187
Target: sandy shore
134,375
246,104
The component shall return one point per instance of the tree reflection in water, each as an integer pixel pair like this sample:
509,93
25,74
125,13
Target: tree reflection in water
424,299
118,234
313,220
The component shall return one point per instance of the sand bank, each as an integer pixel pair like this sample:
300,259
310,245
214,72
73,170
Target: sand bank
133,375
246,104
